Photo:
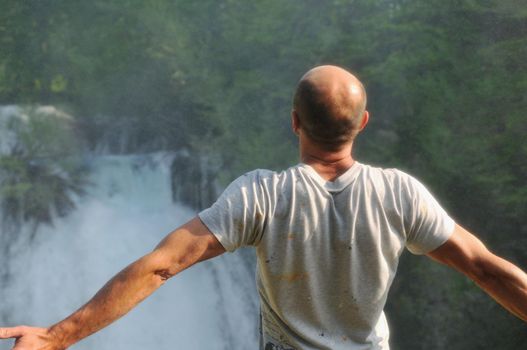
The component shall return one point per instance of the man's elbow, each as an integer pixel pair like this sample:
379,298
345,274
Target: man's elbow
164,275
160,268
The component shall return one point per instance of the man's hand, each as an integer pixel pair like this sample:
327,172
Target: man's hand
31,338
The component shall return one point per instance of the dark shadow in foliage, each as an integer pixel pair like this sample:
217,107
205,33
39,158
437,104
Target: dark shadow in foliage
42,172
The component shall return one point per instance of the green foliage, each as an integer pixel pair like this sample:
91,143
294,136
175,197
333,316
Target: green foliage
42,171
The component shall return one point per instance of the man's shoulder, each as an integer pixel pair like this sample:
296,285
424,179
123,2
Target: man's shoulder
251,178
394,180
255,176
384,174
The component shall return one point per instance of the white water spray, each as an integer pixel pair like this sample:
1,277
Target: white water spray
125,214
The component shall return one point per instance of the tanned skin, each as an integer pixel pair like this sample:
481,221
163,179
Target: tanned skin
193,242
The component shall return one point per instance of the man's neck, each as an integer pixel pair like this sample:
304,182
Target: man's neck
328,164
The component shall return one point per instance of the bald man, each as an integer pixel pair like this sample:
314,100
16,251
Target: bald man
328,235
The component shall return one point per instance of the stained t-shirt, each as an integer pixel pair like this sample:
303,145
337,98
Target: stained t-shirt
327,251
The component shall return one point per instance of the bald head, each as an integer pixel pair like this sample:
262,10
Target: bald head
330,103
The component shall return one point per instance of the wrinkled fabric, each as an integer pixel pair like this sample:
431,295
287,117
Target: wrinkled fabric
327,251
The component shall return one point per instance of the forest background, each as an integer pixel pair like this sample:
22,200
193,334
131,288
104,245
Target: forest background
447,84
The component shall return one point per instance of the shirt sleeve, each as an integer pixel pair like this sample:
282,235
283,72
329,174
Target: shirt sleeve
237,218
429,226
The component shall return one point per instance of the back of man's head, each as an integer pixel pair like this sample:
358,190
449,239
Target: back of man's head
330,103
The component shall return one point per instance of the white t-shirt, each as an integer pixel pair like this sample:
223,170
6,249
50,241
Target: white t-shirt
327,251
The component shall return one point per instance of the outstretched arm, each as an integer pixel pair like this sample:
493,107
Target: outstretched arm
502,280
182,248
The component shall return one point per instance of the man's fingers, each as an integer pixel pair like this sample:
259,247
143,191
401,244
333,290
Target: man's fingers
12,332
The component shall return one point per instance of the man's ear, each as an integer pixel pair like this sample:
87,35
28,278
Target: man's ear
295,122
365,119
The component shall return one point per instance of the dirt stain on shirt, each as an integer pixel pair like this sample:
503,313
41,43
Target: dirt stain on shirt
293,277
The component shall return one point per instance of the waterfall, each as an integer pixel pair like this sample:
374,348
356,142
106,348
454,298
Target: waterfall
127,210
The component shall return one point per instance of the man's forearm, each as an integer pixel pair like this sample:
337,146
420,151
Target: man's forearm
502,280
115,299
507,284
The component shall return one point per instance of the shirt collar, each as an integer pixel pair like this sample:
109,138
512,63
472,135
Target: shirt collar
339,183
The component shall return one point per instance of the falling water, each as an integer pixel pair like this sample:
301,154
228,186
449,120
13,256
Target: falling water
126,212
